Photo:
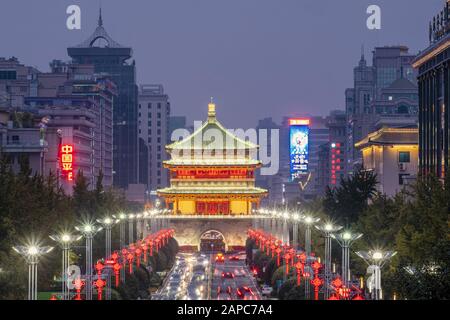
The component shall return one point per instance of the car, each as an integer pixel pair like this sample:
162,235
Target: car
224,293
227,275
245,293
266,290
220,258
234,258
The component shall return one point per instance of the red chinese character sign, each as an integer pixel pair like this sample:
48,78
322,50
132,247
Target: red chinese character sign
67,161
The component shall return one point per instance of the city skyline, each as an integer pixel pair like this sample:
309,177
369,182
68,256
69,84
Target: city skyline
278,76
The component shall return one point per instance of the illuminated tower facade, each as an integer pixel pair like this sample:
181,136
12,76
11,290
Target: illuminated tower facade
212,172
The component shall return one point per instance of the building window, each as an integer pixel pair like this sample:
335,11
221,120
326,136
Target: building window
401,178
159,123
149,105
404,157
159,115
8,75
159,105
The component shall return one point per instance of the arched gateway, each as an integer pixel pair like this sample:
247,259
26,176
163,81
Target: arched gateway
212,240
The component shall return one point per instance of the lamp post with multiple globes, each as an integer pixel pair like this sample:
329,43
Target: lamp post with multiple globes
376,259
88,230
65,241
327,229
31,254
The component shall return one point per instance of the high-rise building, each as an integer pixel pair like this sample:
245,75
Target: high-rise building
332,155
434,93
17,81
112,58
386,89
153,123
78,104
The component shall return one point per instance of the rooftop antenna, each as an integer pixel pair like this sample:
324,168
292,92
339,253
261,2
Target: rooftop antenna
100,19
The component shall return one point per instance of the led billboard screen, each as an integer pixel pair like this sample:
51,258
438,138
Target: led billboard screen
298,147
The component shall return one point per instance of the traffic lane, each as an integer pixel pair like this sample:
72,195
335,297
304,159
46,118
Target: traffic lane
185,280
242,278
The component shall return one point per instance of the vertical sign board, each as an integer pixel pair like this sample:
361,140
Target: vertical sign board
67,161
298,147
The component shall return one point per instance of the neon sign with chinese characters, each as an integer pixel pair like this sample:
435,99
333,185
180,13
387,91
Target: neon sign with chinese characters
67,161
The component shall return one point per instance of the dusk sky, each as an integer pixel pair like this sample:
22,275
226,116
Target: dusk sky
257,58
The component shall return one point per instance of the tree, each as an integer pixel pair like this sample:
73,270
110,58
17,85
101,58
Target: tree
346,202
81,195
423,242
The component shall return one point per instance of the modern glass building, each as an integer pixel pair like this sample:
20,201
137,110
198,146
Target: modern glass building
110,57
434,91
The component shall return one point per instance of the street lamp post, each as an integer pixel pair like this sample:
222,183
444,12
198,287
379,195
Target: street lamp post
345,239
376,259
65,241
139,228
31,255
285,228
107,223
88,230
131,218
327,229
308,222
296,218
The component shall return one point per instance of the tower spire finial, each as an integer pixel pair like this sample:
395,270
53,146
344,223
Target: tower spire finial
211,110
100,19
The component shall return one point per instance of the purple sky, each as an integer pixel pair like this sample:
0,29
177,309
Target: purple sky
258,58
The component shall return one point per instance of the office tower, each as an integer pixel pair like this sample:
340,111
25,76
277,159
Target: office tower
386,89
434,91
153,123
110,57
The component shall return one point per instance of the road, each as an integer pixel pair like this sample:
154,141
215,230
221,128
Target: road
187,280
242,278
196,276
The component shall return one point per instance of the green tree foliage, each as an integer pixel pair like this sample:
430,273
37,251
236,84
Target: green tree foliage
346,202
33,207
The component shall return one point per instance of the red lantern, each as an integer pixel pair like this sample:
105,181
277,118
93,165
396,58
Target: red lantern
53,297
99,266
116,268
99,284
78,284
144,249
337,283
287,258
278,251
130,258
316,282
358,297
138,253
115,256
299,266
